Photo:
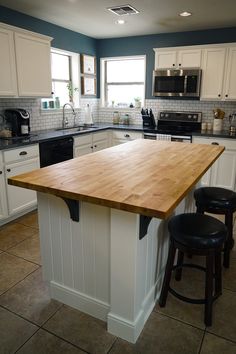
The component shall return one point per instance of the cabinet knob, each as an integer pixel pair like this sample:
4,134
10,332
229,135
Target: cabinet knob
127,136
0,172
91,147
214,143
173,64
8,170
95,146
23,153
226,95
179,64
219,95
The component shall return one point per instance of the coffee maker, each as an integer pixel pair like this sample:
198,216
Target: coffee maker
19,120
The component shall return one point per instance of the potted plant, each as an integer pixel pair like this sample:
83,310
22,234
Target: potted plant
137,102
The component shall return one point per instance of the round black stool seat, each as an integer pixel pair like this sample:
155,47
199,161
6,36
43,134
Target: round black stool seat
197,231
215,197
218,200
195,234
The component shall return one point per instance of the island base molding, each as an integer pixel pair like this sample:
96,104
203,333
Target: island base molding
100,266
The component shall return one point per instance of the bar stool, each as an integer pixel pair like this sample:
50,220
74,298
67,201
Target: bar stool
202,235
218,201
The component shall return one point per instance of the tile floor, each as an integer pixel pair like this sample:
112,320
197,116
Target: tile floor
31,323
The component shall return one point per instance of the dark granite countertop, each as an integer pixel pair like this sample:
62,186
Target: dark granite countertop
210,134
52,134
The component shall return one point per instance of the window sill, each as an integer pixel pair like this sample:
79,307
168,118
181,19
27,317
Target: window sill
56,110
121,109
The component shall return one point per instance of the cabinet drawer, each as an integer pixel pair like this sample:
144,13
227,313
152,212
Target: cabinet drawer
100,136
126,134
229,144
82,139
22,153
1,158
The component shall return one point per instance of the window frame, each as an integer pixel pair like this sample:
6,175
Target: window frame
74,69
103,78
70,68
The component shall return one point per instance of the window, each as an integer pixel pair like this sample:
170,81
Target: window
61,76
65,79
123,81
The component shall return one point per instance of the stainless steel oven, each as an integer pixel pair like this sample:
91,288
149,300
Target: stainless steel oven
168,137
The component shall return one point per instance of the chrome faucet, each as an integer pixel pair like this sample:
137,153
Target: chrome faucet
65,121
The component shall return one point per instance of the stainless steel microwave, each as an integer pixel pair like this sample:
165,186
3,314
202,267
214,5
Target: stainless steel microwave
176,82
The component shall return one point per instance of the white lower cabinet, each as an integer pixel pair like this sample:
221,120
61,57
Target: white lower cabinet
223,172
15,200
123,136
86,144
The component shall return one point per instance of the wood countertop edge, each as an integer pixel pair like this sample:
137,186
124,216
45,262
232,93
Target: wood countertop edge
126,206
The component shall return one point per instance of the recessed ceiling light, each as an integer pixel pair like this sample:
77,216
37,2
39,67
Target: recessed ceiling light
185,14
120,22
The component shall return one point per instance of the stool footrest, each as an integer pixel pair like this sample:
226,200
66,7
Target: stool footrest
190,300
189,265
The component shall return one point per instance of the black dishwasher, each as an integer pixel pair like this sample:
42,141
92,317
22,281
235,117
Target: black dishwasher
56,150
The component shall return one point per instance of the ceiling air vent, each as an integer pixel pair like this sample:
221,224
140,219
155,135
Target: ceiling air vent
123,10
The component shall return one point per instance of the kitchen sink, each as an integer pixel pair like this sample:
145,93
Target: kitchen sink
78,128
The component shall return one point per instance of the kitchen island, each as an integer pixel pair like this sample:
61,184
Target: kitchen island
103,225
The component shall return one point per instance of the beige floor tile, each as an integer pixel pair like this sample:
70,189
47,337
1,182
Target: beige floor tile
224,316
13,233
28,249
30,219
162,335
45,343
12,270
229,275
82,330
30,299
192,314
14,331
217,345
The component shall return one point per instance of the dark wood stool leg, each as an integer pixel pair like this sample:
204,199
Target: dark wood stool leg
167,276
209,289
178,272
200,209
229,241
218,274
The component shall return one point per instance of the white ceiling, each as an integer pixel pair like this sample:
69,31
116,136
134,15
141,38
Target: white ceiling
92,18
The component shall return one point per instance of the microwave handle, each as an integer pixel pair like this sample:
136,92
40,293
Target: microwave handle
185,83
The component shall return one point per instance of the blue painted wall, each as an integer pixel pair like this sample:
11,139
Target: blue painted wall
143,45
63,38
139,45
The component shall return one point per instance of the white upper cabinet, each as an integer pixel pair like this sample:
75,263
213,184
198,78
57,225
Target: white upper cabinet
177,58
33,65
8,86
213,73
25,63
230,78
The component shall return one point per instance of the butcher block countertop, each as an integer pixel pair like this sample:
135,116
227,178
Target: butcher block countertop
143,176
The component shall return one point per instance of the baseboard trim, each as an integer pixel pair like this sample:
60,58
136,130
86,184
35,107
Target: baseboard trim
80,301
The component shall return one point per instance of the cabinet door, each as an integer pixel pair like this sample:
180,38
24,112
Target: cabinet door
83,149
8,85
33,66
3,199
165,59
213,73
18,198
189,58
100,145
224,170
230,83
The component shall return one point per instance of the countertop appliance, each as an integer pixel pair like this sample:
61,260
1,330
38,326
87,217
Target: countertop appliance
19,120
177,83
56,150
175,126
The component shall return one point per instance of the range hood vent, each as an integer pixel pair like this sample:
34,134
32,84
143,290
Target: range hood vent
123,10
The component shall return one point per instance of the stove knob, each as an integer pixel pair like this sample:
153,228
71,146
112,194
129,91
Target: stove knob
166,115
190,116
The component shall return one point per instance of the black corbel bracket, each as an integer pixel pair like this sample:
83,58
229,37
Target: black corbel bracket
144,222
73,206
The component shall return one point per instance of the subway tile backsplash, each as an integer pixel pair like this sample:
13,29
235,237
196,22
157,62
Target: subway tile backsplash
50,119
